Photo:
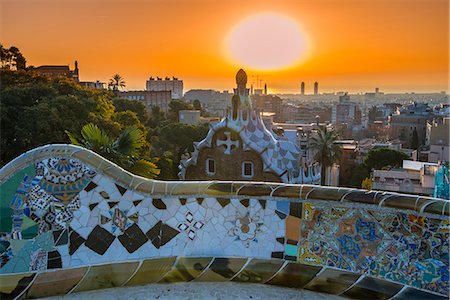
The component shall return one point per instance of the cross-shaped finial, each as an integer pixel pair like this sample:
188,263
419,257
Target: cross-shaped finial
227,143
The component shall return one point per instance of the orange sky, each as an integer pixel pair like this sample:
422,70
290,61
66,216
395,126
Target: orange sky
356,45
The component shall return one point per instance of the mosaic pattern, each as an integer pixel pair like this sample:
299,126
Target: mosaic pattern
291,235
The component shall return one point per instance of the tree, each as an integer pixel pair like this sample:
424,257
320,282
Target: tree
12,59
384,157
415,140
197,104
358,174
175,106
367,183
174,139
124,150
326,152
116,83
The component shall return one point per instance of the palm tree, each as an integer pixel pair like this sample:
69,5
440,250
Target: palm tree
116,82
124,150
326,150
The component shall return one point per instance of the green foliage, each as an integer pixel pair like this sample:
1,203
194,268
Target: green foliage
175,106
12,59
36,110
384,157
116,82
325,149
174,139
359,173
367,183
124,150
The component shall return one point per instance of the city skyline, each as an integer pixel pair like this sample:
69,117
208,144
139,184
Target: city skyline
397,46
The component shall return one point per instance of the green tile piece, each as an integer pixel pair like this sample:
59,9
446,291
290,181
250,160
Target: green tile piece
372,288
222,269
186,269
58,282
106,276
259,270
152,270
7,191
332,281
295,275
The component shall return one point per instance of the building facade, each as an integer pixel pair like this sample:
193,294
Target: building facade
174,85
59,70
240,147
149,98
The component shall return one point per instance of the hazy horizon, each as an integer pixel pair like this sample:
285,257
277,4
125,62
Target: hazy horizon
353,46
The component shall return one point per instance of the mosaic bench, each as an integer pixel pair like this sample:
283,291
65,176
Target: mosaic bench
72,221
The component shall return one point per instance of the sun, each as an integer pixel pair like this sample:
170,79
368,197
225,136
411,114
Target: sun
267,41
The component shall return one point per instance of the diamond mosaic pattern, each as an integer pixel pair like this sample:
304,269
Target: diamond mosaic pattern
101,222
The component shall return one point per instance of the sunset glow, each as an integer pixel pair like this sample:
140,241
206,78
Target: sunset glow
351,45
267,42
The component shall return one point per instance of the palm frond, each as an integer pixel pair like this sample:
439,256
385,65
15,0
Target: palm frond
145,168
96,139
129,142
73,139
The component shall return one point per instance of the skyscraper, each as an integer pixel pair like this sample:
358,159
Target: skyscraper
316,88
302,88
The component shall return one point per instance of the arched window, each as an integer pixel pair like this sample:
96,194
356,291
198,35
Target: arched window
210,166
247,169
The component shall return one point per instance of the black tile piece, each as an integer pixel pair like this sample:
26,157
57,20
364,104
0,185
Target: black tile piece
280,240
21,286
159,204
111,204
292,242
223,201
137,202
61,237
278,255
104,194
75,241
263,203
91,185
280,214
161,234
133,238
92,206
99,240
183,201
289,257
121,189
200,200
295,209
54,260
245,202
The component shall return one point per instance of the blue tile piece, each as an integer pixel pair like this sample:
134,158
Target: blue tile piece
283,206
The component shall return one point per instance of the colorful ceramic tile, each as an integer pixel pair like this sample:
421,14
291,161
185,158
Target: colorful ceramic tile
106,276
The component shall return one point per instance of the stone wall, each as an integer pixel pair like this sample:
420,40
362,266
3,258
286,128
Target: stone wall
79,222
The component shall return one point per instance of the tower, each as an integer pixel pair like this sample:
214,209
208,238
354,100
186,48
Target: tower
265,88
302,88
75,72
316,88
242,91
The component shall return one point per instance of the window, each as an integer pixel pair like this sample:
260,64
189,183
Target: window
210,166
247,169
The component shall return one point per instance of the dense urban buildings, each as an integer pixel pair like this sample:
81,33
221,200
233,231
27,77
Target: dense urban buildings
240,147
